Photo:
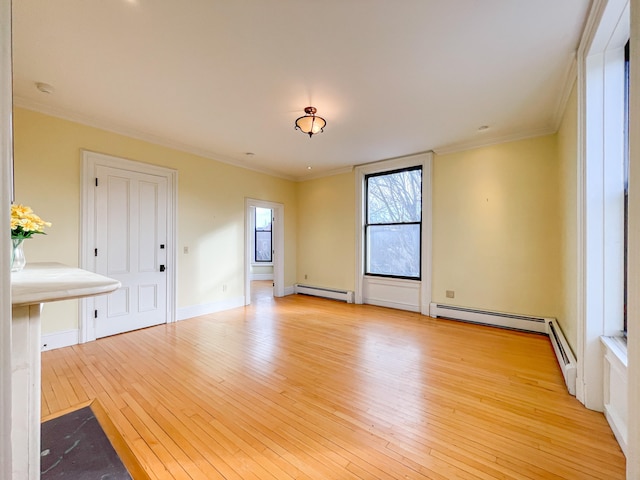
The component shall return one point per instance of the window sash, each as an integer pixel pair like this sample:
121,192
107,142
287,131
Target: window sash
626,187
415,272
262,255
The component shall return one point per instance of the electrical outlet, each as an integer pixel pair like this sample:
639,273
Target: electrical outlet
305,276
185,249
451,294
224,287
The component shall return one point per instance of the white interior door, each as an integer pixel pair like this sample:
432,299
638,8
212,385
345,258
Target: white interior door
131,246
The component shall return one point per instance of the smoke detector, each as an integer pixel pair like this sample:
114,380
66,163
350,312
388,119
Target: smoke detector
44,87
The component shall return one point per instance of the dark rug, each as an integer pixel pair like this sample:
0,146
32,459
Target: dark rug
75,447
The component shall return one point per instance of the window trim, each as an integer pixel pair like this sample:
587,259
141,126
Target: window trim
599,265
424,285
367,224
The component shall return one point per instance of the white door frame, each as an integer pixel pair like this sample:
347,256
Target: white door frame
90,160
278,246
6,191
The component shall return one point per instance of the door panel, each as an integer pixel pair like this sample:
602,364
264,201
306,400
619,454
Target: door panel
131,224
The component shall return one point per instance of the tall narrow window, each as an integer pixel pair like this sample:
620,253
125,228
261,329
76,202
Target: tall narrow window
393,227
263,235
626,179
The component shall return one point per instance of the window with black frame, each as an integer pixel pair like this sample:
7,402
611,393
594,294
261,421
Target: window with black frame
393,226
626,180
263,235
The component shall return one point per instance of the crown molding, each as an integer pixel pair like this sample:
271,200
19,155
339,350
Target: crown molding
462,146
112,127
570,76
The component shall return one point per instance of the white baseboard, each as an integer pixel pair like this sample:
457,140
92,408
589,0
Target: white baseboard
289,290
54,340
207,308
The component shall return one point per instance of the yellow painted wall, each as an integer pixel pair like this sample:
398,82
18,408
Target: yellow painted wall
568,160
496,228
498,237
210,207
326,232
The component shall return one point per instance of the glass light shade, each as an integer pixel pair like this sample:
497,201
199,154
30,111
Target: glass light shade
310,123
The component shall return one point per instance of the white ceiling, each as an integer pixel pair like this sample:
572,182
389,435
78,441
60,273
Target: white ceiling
225,77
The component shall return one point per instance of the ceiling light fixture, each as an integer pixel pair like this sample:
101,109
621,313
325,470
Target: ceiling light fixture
310,123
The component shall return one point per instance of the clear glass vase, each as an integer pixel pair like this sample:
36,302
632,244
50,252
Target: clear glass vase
18,260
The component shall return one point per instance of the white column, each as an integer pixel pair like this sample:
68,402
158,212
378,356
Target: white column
6,152
26,372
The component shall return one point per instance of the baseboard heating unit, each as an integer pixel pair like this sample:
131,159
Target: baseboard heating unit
566,360
547,326
344,295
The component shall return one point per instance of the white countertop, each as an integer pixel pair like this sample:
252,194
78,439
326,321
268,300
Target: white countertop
49,282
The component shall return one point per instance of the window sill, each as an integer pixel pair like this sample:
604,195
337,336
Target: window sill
616,346
383,278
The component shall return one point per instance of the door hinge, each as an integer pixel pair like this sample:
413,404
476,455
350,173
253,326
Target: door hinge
95,314
95,252
96,181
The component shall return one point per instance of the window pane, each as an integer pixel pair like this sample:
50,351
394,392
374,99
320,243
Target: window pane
263,246
263,235
263,218
394,250
395,197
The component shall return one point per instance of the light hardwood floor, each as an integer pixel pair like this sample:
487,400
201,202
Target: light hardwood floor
307,388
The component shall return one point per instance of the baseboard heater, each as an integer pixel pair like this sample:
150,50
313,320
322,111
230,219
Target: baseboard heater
546,326
344,295
566,360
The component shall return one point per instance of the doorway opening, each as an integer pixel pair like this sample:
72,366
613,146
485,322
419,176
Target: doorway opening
264,252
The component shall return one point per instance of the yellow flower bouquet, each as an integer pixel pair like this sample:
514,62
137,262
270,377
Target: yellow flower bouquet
25,223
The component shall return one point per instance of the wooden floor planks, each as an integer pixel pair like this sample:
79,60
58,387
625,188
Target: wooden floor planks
306,388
